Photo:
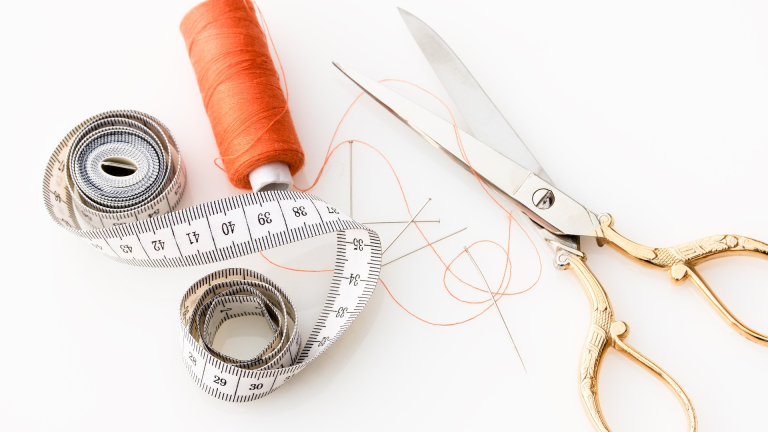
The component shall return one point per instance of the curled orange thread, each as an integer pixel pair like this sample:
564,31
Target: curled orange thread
501,291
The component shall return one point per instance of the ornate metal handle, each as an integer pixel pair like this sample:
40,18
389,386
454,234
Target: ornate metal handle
606,332
680,262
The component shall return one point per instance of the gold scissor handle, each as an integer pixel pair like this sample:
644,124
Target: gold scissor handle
606,332
680,261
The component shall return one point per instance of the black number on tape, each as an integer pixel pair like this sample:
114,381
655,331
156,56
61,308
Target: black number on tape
263,218
228,227
299,211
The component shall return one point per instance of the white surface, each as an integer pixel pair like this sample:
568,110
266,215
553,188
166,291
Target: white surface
656,112
276,175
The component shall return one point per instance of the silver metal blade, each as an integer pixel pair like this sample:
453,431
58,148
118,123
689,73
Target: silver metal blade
504,173
558,213
484,119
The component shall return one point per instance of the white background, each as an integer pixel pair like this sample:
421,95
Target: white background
656,112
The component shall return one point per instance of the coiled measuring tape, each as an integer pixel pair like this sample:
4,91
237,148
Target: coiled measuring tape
115,181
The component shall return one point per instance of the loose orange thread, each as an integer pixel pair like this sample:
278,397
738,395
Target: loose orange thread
506,281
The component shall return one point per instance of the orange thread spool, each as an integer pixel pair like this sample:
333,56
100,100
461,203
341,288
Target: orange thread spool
240,88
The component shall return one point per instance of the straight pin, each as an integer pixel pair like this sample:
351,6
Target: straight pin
426,245
350,180
406,226
488,287
394,222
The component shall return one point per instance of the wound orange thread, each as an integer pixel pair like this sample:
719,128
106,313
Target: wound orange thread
241,88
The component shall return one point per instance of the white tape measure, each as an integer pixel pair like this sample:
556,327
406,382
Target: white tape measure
121,173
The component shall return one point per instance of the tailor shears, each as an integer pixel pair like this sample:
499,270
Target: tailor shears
498,155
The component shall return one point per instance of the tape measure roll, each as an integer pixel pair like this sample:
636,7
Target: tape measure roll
114,168
121,173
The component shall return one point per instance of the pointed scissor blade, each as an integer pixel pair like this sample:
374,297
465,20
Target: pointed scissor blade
484,119
535,197
503,173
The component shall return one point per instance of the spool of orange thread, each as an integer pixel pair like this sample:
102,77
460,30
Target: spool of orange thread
242,94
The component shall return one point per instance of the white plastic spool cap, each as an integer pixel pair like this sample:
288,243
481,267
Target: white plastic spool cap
274,176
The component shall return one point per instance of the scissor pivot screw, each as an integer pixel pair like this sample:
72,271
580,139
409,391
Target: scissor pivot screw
543,198
561,260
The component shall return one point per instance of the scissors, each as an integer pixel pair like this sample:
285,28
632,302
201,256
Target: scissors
501,159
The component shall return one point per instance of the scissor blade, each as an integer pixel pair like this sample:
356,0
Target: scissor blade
485,121
501,172
535,197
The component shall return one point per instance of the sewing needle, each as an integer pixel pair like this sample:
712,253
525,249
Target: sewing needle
488,287
394,222
406,226
351,215
426,245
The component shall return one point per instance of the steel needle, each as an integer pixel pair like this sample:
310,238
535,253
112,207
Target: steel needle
488,287
350,180
394,222
406,226
426,245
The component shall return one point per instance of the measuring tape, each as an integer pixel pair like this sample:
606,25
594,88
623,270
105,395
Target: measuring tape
115,181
